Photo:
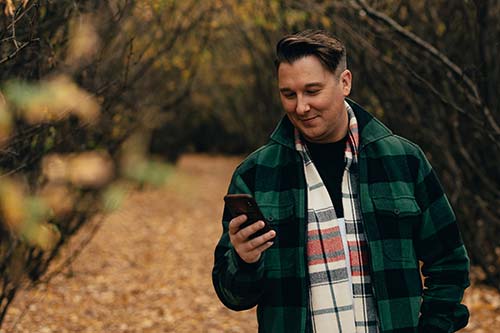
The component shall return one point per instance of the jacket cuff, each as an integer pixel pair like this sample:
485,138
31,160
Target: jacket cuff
442,317
239,264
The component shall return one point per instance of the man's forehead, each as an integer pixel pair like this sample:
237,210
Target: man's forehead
301,75
307,67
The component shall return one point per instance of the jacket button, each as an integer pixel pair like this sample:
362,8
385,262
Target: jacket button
270,218
396,211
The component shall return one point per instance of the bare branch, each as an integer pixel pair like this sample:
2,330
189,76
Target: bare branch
437,55
18,50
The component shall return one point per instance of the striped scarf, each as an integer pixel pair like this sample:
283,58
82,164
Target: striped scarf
341,297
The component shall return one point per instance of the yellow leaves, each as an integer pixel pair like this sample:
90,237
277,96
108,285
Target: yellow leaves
441,29
113,196
52,100
10,6
295,17
5,121
143,10
25,212
91,169
26,215
84,41
136,166
88,170
147,171
59,198
54,168
43,235
178,61
185,73
326,21
12,202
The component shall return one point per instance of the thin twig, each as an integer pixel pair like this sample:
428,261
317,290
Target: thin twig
442,58
18,49
20,16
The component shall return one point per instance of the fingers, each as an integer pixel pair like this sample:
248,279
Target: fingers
248,249
254,255
250,230
235,227
234,224
256,242
259,244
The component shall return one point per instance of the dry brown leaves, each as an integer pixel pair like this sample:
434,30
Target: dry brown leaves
148,268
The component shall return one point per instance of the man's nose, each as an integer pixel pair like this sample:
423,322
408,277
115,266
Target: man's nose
302,106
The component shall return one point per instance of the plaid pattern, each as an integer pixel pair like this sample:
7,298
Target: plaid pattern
406,218
341,298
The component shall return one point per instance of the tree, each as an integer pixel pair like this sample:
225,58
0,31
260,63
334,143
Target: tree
83,85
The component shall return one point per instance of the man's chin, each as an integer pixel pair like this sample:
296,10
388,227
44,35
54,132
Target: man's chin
312,137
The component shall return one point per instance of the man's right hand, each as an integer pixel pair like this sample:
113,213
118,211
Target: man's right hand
249,250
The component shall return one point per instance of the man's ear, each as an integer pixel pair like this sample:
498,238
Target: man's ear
346,81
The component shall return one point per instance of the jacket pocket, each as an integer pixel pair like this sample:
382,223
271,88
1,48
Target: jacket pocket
281,218
397,218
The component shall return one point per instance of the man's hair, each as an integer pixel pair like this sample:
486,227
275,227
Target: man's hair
329,50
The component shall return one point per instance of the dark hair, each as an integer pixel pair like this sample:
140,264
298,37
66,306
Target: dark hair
329,50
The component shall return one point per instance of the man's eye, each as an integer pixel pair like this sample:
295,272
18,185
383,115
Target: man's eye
312,92
289,96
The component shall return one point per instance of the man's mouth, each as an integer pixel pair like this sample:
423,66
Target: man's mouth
308,120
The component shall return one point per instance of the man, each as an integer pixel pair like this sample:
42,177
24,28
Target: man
353,209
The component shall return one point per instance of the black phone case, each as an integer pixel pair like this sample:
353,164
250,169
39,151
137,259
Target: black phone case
239,204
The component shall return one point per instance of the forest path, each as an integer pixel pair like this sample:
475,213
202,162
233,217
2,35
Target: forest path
148,269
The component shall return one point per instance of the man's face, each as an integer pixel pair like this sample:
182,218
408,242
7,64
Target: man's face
313,98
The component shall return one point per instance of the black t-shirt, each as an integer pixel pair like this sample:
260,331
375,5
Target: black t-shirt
330,163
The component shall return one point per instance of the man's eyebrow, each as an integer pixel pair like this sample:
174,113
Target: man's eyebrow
308,85
314,84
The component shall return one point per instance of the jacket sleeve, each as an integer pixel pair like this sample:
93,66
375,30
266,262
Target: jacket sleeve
237,283
445,264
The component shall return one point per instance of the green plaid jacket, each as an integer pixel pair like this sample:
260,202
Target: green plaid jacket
407,219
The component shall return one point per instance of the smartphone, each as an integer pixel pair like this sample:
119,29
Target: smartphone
239,204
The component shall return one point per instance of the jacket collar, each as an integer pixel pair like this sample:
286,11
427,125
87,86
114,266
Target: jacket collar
370,128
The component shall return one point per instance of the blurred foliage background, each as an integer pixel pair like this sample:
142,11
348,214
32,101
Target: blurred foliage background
96,95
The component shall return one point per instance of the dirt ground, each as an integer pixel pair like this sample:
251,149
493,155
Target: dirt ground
148,269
